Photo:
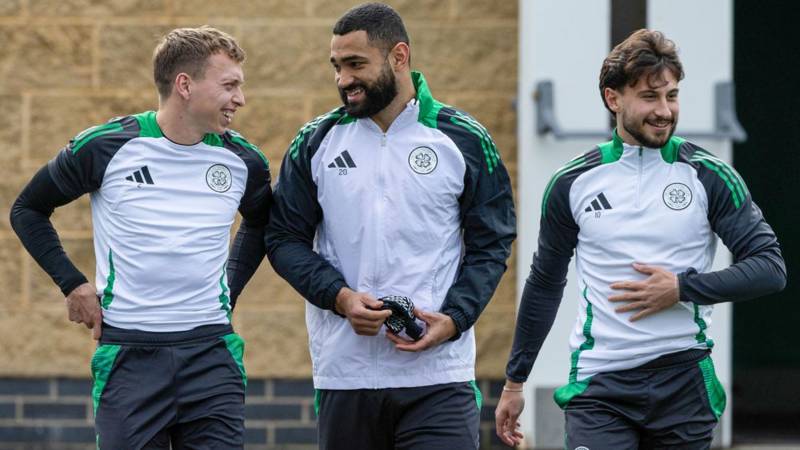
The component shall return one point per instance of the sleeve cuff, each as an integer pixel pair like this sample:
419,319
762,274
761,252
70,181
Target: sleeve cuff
682,287
516,379
69,285
329,298
460,320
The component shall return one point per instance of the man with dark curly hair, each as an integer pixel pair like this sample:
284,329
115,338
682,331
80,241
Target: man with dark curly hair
642,213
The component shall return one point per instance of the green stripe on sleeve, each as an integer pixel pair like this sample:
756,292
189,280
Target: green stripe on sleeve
490,153
93,133
735,195
726,173
573,164
308,128
239,139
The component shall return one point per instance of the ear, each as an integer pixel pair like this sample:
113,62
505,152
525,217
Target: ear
612,97
182,85
400,56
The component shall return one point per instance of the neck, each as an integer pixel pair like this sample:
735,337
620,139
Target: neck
405,92
175,123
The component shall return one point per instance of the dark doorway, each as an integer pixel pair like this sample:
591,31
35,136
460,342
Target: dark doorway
766,332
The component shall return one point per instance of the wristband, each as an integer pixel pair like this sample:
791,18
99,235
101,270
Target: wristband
511,390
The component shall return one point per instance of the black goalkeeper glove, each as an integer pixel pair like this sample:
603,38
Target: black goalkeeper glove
402,316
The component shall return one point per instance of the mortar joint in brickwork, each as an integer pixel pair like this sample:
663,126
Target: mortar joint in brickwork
306,414
269,389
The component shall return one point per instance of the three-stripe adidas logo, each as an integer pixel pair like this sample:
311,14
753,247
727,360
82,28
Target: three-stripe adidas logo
141,176
598,204
343,161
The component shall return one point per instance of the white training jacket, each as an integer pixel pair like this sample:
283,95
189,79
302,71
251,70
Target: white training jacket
423,210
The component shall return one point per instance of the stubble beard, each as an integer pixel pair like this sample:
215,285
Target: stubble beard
637,132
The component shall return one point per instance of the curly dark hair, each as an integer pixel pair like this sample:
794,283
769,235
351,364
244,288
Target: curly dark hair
644,53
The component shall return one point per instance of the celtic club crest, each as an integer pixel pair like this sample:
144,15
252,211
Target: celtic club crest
423,160
218,178
677,196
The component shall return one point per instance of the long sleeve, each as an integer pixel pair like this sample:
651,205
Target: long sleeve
30,219
758,267
247,252
79,168
544,288
294,218
487,219
538,307
249,249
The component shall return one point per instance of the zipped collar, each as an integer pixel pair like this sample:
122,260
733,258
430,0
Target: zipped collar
407,116
614,149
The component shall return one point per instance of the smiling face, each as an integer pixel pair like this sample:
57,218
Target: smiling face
216,94
647,112
364,77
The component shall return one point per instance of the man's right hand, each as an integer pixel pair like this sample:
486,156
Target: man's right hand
506,415
83,307
362,310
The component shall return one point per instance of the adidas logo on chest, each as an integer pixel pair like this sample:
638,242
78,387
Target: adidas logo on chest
141,176
343,162
598,204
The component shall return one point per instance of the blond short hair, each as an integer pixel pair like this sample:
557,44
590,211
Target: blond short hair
187,50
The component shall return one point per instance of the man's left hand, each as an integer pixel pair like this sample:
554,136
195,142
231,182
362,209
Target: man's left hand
440,328
657,292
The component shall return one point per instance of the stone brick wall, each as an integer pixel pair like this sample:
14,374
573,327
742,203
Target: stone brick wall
56,413
69,64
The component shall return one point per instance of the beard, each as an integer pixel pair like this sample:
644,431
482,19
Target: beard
636,130
377,95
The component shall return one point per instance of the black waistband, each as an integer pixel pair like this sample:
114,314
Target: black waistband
676,359
114,335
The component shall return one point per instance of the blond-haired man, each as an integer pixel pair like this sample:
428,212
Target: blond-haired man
165,187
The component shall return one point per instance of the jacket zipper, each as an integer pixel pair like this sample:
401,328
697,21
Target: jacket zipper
379,221
639,182
379,208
